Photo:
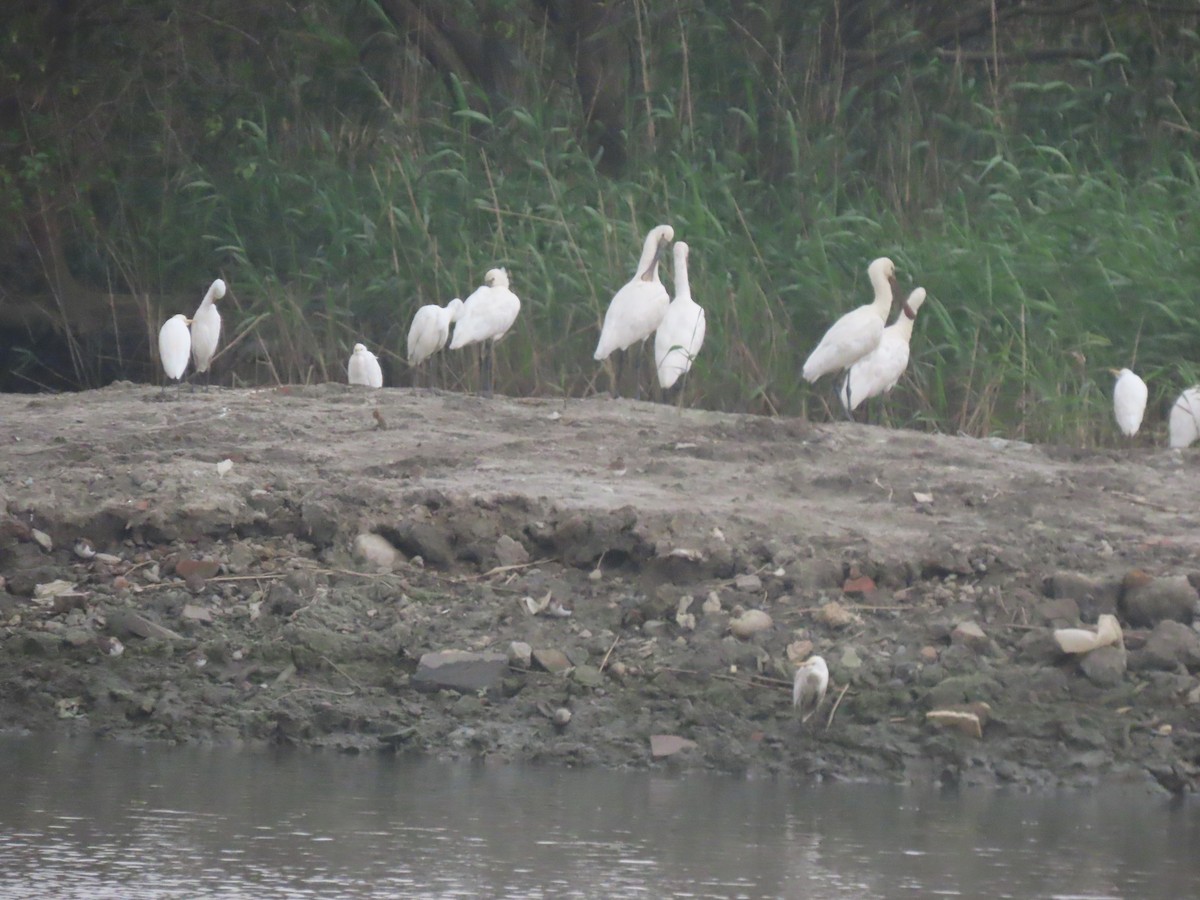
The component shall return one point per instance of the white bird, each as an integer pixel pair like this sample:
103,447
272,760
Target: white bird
1183,426
1129,401
681,332
880,370
174,346
206,327
486,316
637,309
430,330
859,331
364,368
808,686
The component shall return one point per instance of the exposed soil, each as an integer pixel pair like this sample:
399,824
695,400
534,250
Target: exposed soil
616,510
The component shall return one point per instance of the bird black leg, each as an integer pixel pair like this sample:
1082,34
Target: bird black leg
637,371
489,362
849,400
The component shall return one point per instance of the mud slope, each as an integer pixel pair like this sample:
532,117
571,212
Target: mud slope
231,604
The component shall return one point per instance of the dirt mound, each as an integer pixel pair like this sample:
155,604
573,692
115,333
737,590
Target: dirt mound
192,569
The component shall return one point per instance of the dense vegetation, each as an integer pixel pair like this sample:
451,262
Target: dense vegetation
341,163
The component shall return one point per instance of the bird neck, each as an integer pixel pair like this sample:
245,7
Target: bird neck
682,287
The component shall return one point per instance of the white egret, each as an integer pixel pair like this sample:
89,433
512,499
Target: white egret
430,330
681,332
880,370
174,346
206,328
859,331
808,686
1183,426
486,316
1129,401
364,368
637,309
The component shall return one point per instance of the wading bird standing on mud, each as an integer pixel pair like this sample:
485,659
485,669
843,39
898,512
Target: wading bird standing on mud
1129,401
856,333
637,309
880,370
808,686
174,346
486,317
429,332
1183,425
681,332
206,329
364,368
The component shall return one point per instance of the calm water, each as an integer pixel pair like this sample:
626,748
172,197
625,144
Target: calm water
95,820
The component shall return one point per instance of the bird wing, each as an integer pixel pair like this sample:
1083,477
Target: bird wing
634,314
849,339
878,371
678,340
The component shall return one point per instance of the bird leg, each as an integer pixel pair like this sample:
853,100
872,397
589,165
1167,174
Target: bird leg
489,361
637,370
849,407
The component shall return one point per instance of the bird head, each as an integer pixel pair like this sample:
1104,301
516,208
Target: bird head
913,303
496,278
681,253
1117,373
217,289
360,348
657,242
456,307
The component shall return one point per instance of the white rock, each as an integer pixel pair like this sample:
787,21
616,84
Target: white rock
750,623
375,550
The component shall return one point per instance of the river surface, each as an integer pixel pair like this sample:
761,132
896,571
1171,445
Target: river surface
92,819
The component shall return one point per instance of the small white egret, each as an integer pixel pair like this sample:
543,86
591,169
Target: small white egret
206,328
681,332
1129,401
859,331
1183,426
486,316
364,368
637,309
880,370
174,346
808,686
430,330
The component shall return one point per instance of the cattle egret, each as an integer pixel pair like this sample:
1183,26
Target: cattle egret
1129,401
430,330
880,370
681,333
808,687
859,331
1183,426
206,327
638,308
364,368
174,346
486,316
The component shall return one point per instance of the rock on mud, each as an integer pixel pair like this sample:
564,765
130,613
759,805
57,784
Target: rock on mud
459,670
1146,600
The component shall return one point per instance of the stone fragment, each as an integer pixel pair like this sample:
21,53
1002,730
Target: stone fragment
970,635
125,622
551,660
750,584
459,670
510,552
195,613
835,615
376,550
192,569
750,623
1170,645
1147,600
588,676
928,654
424,540
43,540
1104,666
969,719
664,745
520,654
862,586
1094,596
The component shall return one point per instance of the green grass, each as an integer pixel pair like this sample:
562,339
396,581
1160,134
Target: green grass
334,218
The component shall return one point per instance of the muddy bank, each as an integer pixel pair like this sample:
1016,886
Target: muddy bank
588,556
